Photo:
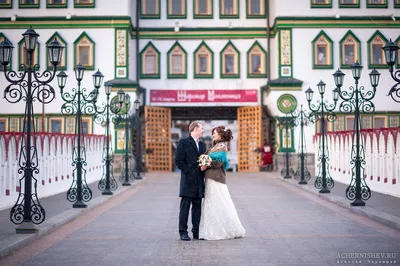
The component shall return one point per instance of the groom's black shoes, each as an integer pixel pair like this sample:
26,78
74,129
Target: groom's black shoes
185,237
196,236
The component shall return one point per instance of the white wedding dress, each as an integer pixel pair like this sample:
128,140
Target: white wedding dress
219,219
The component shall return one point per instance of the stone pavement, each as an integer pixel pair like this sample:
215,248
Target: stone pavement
285,223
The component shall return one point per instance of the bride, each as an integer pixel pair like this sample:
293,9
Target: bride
219,219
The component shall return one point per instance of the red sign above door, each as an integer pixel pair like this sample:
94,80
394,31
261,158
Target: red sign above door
203,96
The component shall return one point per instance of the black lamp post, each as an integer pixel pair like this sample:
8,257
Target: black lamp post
324,181
302,174
286,123
390,49
107,183
136,104
77,103
29,86
357,100
125,174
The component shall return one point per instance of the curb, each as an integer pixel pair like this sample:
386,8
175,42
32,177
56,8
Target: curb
379,216
17,241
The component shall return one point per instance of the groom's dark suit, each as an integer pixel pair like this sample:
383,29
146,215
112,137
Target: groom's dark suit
191,185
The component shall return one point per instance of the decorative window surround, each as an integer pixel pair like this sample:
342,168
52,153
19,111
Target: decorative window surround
84,3
172,13
349,3
255,9
29,4
377,3
177,62
229,9
84,51
203,62
321,3
376,56
201,11
230,61
56,3
63,63
23,55
150,9
322,47
6,4
350,50
150,66
256,55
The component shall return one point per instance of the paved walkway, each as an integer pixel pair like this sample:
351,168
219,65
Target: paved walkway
286,225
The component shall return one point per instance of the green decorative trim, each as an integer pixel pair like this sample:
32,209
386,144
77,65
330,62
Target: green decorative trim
7,5
22,5
370,64
330,43
149,16
286,103
291,148
50,5
358,48
248,61
76,42
199,76
182,16
371,5
149,76
201,16
221,55
317,5
176,76
81,5
288,66
352,5
20,43
126,66
395,4
222,16
398,57
9,67
65,55
250,16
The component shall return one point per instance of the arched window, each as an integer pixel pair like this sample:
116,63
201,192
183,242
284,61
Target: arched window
84,51
322,47
63,63
350,50
230,61
150,67
23,55
256,61
376,56
203,62
177,62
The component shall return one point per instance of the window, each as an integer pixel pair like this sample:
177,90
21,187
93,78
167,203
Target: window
56,125
256,58
150,62
255,9
23,55
3,124
229,9
5,3
203,8
349,3
84,3
396,3
14,124
349,123
377,3
230,61
2,39
366,122
321,3
84,51
150,9
203,62
338,124
380,122
63,63
29,4
394,121
176,9
350,50
322,51
398,52
70,125
376,56
177,63
85,127
56,3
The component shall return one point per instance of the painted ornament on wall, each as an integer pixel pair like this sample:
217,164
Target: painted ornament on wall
287,103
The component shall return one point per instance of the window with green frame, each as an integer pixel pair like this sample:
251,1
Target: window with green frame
255,9
377,3
63,63
84,51
396,3
321,3
256,61
150,62
229,8
230,61
84,3
350,50
24,57
150,9
56,3
176,8
203,8
322,47
29,3
349,3
177,62
6,3
398,52
376,56
203,59
2,39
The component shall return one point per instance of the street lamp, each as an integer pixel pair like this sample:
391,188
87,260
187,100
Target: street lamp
29,86
286,123
126,173
136,105
357,100
390,49
302,174
107,183
324,181
77,103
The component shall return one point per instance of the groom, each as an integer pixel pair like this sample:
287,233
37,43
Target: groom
192,179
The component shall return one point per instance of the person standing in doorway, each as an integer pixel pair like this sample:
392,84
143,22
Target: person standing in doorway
192,179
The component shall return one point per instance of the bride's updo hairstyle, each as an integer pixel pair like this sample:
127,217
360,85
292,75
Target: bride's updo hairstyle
225,133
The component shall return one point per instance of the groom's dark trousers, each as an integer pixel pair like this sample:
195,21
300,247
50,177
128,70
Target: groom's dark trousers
184,215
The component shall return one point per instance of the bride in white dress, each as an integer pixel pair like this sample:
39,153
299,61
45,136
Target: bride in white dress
219,219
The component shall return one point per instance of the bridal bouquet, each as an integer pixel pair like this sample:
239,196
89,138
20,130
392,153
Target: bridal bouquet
204,160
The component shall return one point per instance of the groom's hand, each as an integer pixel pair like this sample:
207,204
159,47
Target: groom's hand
203,168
